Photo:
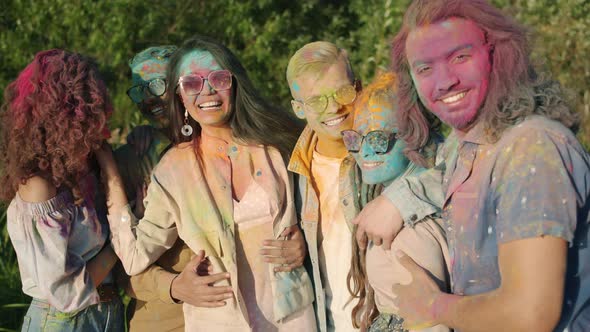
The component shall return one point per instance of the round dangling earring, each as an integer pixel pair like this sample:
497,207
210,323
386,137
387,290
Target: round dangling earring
186,130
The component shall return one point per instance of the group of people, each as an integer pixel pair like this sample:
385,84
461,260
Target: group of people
226,214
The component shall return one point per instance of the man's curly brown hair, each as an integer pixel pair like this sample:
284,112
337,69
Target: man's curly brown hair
54,115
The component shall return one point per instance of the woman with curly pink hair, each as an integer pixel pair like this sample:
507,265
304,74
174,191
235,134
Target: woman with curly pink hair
53,121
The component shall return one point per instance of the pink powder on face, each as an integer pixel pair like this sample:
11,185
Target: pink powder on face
450,68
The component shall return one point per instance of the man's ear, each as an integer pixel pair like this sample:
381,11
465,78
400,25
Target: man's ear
298,109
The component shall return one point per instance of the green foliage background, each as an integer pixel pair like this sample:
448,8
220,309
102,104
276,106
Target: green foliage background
263,34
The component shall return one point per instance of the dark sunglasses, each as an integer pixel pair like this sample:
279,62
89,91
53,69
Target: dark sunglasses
379,140
192,85
156,87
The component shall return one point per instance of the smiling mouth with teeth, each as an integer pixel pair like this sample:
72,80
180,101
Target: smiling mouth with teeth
157,111
210,105
371,165
335,121
454,98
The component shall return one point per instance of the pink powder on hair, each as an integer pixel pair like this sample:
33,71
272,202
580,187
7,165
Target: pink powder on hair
24,87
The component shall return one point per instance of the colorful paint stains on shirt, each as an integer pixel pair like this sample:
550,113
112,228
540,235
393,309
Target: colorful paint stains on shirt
191,196
308,207
534,181
53,240
426,244
335,244
253,216
154,307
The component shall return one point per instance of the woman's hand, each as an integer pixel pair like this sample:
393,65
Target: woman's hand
196,287
416,301
287,254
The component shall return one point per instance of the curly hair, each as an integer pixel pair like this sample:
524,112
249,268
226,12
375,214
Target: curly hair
252,120
54,115
515,90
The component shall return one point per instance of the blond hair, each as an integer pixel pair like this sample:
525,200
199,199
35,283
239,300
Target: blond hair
314,58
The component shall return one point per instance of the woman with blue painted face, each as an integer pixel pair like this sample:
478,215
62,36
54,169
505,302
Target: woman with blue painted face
379,153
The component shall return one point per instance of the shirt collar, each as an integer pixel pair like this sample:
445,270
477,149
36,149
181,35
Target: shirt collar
476,134
302,155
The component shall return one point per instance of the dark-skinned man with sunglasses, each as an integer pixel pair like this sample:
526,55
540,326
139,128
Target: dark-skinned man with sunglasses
153,307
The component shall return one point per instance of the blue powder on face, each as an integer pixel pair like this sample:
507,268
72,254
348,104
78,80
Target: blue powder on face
296,87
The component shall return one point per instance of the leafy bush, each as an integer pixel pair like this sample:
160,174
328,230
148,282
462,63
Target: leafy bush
263,34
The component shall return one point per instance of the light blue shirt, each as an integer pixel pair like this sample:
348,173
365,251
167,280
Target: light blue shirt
534,181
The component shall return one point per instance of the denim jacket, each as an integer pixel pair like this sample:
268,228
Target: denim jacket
308,211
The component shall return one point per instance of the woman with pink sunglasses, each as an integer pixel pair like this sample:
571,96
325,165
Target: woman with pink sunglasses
223,188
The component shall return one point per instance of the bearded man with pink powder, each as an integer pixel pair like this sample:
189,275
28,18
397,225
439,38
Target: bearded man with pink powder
513,183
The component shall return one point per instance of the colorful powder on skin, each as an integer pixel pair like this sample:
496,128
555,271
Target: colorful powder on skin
447,24
376,111
447,48
150,70
196,61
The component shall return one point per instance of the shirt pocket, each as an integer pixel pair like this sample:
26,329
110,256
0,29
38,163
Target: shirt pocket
207,240
462,214
463,225
475,225
210,243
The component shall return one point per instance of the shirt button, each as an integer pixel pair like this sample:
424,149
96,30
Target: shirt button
345,202
413,217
